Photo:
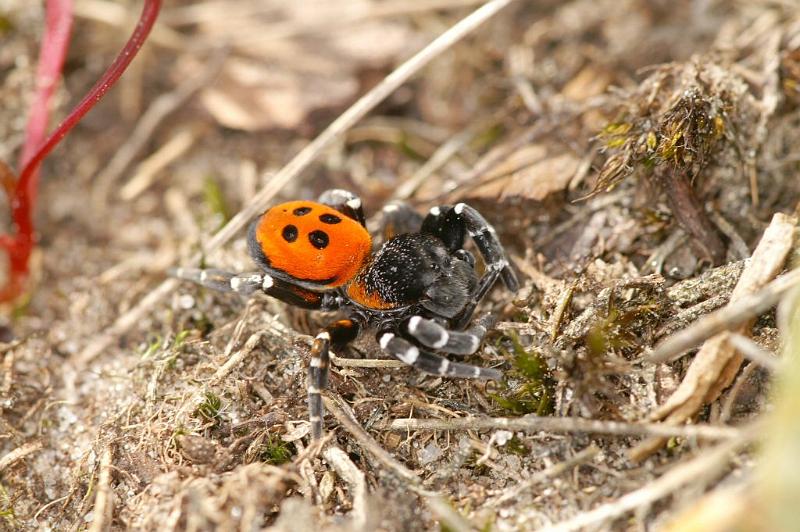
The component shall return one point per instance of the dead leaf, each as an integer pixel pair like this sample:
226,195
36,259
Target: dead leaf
290,59
590,81
529,173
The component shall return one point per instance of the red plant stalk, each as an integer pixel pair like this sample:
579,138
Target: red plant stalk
59,19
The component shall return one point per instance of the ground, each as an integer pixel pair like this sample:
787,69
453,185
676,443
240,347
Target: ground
631,154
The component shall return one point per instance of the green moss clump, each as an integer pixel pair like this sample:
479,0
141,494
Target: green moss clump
210,408
275,451
528,388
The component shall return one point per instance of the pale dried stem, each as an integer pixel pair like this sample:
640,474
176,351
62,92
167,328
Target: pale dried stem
564,424
19,453
336,406
103,502
148,170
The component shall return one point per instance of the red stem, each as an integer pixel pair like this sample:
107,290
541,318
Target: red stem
24,199
51,60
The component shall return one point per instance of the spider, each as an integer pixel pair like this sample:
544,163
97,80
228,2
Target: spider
418,290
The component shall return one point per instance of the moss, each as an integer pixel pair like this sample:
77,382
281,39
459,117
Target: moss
275,451
152,348
517,446
620,329
210,408
528,388
6,508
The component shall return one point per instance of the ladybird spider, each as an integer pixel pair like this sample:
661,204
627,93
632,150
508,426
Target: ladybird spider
419,290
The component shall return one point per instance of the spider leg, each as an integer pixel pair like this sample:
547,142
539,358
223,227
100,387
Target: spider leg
452,224
431,334
337,333
345,202
248,283
427,362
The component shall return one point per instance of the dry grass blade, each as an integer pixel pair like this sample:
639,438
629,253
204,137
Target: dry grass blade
159,110
753,352
355,480
301,161
436,503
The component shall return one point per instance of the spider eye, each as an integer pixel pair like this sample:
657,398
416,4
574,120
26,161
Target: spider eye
290,233
301,211
319,239
328,218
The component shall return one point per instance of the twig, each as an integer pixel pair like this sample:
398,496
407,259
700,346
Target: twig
300,162
551,472
356,482
436,503
103,502
237,359
564,424
753,352
19,453
726,318
715,366
343,362
707,464
435,162
733,394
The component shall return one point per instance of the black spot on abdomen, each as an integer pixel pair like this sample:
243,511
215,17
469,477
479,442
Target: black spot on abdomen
319,239
328,218
289,233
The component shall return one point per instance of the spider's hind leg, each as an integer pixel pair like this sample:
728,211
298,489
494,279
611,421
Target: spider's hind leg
223,281
338,334
345,202
248,283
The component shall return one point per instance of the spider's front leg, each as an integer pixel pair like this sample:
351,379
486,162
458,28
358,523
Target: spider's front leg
452,224
431,334
338,334
430,363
